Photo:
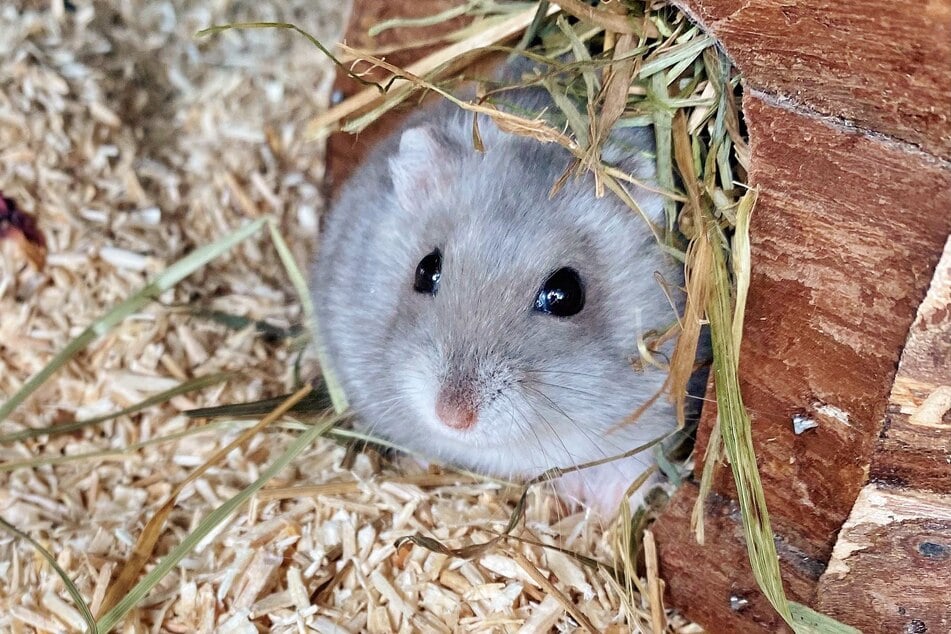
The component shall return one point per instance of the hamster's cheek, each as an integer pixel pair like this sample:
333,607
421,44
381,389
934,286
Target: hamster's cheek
418,383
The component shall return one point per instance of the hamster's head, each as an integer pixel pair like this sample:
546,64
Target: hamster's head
509,319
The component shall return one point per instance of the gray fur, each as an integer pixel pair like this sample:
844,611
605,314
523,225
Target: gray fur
549,389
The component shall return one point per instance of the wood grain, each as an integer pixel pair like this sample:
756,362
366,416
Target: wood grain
845,237
891,566
846,234
914,447
891,569
713,583
884,65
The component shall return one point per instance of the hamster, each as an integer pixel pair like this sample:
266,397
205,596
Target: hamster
476,320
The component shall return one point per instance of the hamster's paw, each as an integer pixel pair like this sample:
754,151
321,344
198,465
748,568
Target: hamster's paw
600,489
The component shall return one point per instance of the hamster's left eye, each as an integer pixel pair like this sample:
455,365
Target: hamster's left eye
428,272
562,294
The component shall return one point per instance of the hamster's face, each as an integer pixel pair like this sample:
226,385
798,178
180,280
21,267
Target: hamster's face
506,321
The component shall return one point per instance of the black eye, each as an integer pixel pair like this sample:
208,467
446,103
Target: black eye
428,272
562,294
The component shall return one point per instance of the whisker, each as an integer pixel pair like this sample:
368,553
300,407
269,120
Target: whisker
596,443
567,388
541,447
522,423
568,372
570,456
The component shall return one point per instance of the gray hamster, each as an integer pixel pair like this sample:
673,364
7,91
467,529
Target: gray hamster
475,320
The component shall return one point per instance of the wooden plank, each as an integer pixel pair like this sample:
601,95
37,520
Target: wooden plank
884,65
914,447
891,568
845,237
713,583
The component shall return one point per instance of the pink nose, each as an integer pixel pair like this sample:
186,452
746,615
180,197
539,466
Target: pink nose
454,410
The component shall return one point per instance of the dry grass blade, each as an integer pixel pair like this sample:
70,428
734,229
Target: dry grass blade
710,459
741,263
738,440
577,122
686,52
614,22
314,403
429,20
474,550
110,454
553,591
434,545
425,480
582,55
324,122
537,128
75,595
532,30
214,519
661,118
628,585
165,280
145,545
617,82
162,397
655,586
699,264
733,419
584,560
293,271
220,28
334,389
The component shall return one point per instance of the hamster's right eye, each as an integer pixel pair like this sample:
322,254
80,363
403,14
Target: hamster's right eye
428,272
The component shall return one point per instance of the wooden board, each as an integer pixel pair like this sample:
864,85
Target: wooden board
845,238
891,569
883,65
891,566
914,449
713,583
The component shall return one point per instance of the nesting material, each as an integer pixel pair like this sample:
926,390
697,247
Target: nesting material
132,143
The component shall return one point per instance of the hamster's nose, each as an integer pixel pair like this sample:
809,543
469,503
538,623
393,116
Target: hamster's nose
456,408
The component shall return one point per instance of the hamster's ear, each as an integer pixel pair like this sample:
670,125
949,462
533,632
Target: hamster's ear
418,167
633,151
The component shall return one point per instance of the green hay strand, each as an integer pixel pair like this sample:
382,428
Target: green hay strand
162,397
214,519
164,281
71,589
